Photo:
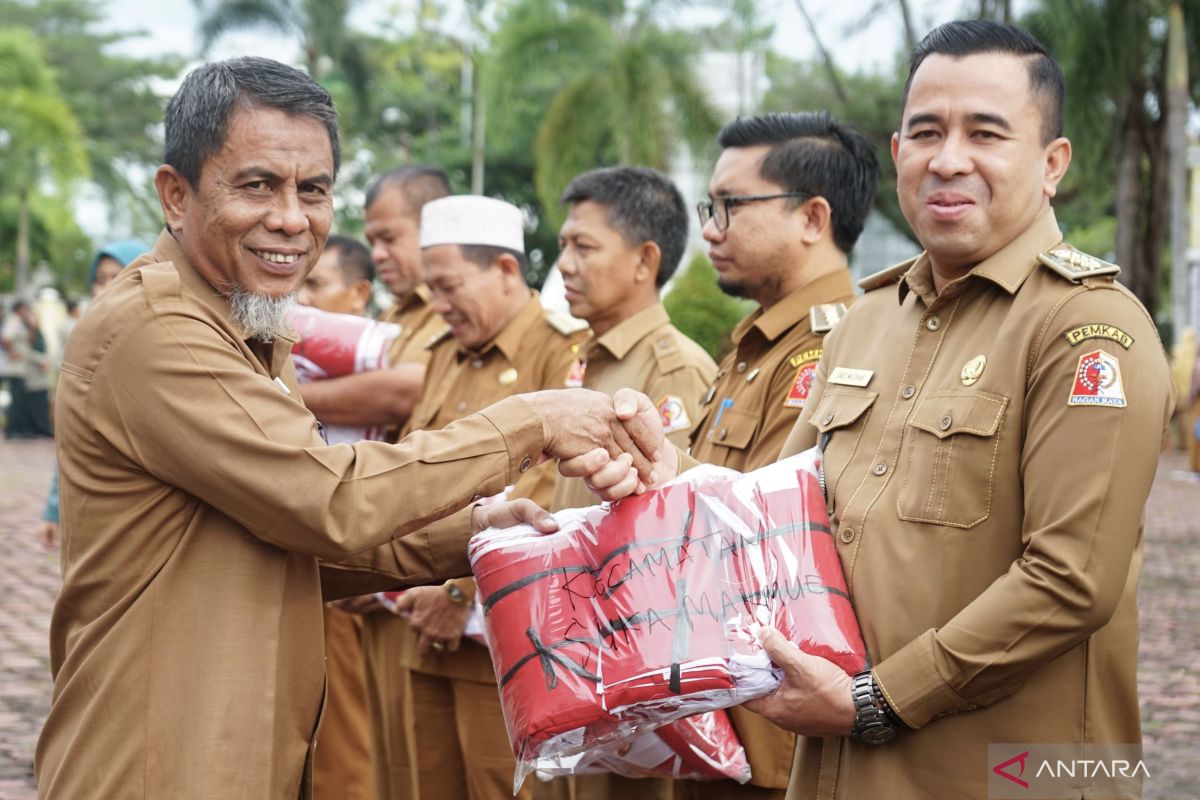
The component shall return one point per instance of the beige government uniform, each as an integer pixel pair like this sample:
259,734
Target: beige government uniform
760,390
390,755
988,454
197,497
645,352
445,709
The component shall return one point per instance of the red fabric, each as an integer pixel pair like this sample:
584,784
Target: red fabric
646,612
332,345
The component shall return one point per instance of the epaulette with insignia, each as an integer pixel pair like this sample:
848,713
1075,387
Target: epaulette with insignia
823,317
564,323
1074,265
887,276
437,338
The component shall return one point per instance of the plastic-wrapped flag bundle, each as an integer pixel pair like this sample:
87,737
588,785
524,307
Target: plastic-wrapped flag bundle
646,612
332,345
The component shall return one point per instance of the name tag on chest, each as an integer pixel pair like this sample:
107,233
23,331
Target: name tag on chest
845,376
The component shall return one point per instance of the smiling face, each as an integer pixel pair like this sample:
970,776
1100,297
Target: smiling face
972,169
262,210
394,233
607,280
476,302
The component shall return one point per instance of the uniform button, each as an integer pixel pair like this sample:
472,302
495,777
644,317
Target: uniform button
933,323
721,435
945,423
828,418
908,391
879,468
526,463
462,406
741,366
477,363
846,535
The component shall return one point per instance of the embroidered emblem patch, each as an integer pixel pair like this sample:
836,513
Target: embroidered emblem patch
1097,381
674,414
797,395
575,376
1099,330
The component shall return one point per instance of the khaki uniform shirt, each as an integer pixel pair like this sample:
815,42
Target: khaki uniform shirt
645,352
197,497
536,350
759,392
418,323
988,454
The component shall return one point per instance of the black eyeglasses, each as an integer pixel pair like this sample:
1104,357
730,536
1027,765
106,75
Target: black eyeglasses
718,209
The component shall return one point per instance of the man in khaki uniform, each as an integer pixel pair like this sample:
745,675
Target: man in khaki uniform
623,239
386,397
991,415
788,199
499,341
340,282
197,494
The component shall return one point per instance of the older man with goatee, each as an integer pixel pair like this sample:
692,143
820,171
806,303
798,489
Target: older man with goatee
198,497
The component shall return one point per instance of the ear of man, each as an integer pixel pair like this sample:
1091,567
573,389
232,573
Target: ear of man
173,193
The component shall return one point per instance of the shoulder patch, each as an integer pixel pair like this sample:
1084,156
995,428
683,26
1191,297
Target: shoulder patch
1098,330
438,338
1097,381
564,323
673,413
797,396
823,317
1074,265
887,276
804,356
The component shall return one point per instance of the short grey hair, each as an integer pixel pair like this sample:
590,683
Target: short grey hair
197,118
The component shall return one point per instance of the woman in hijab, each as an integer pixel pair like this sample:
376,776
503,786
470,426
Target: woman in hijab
106,265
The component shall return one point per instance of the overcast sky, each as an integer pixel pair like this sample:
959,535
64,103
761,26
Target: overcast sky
171,28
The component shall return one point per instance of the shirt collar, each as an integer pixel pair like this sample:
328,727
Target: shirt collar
621,339
1008,267
511,338
794,308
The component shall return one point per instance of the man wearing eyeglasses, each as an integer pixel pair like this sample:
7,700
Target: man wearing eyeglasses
787,201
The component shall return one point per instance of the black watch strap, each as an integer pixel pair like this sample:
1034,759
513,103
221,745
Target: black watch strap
874,722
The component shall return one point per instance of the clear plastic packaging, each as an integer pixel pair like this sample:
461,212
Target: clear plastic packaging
646,612
333,345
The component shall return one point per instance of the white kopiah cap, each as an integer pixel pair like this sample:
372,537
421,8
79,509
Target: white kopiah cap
470,219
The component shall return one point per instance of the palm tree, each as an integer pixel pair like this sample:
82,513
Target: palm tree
618,88
40,137
328,44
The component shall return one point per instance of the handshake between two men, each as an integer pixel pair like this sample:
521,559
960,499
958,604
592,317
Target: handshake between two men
615,444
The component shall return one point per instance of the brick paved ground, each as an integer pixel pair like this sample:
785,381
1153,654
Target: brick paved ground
1170,603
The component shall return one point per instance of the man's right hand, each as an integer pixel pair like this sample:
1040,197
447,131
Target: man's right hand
578,421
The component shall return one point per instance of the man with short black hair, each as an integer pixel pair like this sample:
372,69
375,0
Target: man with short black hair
342,279
198,497
787,200
990,414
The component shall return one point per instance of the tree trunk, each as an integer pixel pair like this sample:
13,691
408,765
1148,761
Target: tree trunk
910,33
1128,199
1156,216
22,276
1176,123
478,128
826,59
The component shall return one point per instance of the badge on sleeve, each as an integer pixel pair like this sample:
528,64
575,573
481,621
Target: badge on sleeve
575,376
797,395
1097,381
674,414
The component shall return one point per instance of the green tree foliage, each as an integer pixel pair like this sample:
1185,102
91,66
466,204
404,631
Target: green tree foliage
1113,54
699,308
114,96
40,138
612,84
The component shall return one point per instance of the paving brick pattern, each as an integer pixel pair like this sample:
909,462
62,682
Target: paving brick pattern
1169,600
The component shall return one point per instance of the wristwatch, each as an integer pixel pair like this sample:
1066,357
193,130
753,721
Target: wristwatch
873,720
456,595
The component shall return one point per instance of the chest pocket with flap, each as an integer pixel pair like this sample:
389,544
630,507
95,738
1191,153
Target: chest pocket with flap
735,430
840,419
948,465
